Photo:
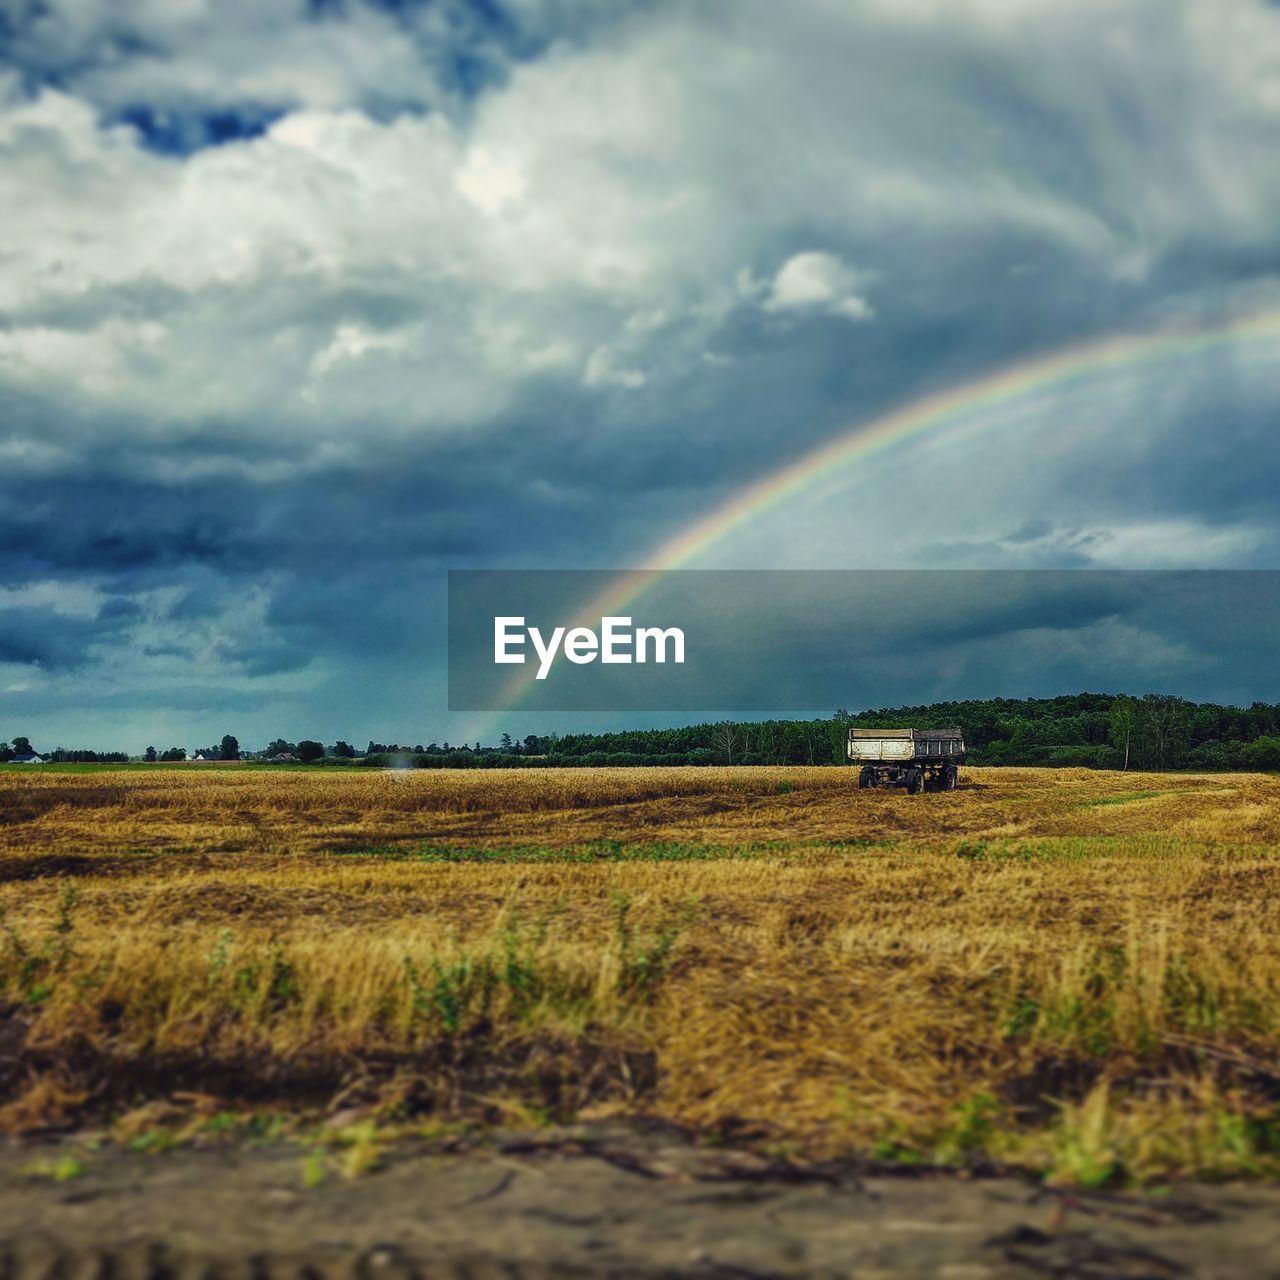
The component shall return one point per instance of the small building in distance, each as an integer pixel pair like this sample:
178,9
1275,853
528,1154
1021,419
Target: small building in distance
32,759
282,757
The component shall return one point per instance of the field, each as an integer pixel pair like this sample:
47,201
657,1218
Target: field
1069,972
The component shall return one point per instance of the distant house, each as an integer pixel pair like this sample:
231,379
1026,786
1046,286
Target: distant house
282,757
201,758
33,759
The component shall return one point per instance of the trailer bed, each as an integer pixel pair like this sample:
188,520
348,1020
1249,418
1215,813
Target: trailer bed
918,759
905,744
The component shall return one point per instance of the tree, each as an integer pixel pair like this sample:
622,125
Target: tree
1263,754
22,746
309,749
1124,716
230,749
279,747
150,756
173,754
506,743
342,750
766,737
1165,721
725,737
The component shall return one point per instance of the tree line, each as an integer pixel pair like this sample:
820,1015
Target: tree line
1095,730
21,746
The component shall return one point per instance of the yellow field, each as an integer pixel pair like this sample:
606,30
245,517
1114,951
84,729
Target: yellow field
1075,971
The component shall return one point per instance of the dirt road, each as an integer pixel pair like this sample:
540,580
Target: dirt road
621,1203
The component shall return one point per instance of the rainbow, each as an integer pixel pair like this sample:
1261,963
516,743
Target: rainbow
977,404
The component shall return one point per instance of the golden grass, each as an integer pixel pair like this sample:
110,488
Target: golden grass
1074,971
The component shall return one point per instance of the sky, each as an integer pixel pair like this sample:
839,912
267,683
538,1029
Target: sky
303,305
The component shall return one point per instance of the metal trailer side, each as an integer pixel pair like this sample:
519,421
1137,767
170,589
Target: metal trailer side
914,758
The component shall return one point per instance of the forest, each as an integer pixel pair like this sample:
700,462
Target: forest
1094,730
1091,730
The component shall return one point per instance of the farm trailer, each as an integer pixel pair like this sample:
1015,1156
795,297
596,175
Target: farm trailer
913,758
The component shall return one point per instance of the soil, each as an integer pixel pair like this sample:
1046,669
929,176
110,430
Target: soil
621,1202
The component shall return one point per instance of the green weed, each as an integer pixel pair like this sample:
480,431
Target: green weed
63,1169
973,1130
1084,1154
1128,798
314,1169
154,1142
643,962
34,967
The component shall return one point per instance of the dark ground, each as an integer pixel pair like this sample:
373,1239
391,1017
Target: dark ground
609,1202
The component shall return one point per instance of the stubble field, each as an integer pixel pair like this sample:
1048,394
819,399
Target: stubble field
1072,972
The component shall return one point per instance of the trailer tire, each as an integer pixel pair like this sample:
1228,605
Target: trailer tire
866,778
950,777
915,781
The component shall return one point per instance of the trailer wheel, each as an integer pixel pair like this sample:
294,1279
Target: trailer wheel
950,777
915,781
866,778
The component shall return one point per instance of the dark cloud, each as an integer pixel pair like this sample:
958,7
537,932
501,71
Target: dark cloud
180,133
54,641
268,659
119,609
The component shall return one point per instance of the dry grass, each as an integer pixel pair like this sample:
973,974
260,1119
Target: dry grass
1074,971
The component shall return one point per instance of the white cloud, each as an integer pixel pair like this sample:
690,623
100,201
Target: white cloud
1174,544
351,343
818,282
491,181
73,599
603,371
